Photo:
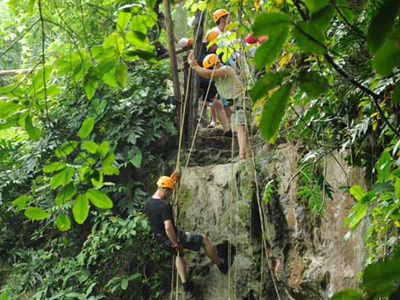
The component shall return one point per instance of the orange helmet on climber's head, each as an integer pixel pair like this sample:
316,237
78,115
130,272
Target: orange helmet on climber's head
166,182
210,60
211,35
219,13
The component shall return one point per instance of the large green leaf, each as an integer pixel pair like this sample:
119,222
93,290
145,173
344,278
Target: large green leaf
312,83
269,50
348,294
356,215
34,133
109,160
137,38
273,112
63,222
115,41
90,146
65,149
266,83
109,78
381,24
357,192
315,5
383,166
148,55
21,202
322,18
122,20
269,23
7,108
80,208
388,55
103,148
121,74
380,277
397,188
65,194
99,199
62,178
86,128
309,38
55,166
36,213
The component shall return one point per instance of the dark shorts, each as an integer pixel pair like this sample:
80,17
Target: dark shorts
212,93
188,240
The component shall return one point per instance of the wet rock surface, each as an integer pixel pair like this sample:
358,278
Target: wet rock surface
308,257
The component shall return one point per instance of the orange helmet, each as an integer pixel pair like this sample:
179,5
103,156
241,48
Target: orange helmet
219,13
166,182
211,35
210,60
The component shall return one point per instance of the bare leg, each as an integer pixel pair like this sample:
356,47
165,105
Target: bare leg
242,140
221,114
228,113
210,250
213,116
181,266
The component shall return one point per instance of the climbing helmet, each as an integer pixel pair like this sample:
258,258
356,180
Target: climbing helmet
166,182
210,60
219,13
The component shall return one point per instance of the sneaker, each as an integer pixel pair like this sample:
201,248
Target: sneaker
229,133
223,266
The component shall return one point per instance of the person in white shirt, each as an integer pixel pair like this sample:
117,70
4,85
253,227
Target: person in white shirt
229,86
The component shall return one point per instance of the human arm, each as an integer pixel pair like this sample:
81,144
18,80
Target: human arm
170,231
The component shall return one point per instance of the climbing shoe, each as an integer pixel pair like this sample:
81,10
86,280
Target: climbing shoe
223,266
229,133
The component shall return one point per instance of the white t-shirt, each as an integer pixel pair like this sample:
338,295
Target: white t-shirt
229,86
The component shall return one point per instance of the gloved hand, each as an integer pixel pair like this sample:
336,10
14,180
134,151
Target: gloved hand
175,176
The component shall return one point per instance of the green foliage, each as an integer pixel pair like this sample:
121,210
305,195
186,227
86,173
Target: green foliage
273,111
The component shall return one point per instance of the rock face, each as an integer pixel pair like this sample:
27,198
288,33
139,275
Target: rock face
308,257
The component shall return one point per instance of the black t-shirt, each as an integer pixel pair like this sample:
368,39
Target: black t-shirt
158,211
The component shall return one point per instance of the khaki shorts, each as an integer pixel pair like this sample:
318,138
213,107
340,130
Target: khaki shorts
241,113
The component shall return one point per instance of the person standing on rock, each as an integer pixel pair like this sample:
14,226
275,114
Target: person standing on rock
160,214
229,87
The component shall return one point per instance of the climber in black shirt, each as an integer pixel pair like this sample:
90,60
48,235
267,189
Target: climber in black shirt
160,214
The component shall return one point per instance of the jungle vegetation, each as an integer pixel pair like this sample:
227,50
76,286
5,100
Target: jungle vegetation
89,126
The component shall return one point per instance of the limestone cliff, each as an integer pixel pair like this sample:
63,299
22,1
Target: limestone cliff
308,256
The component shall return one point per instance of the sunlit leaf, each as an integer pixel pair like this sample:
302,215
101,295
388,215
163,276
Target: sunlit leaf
103,148
121,74
80,209
55,166
90,146
99,199
357,192
65,194
266,83
36,213
21,202
273,112
122,20
86,128
65,149
62,178
348,294
63,222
